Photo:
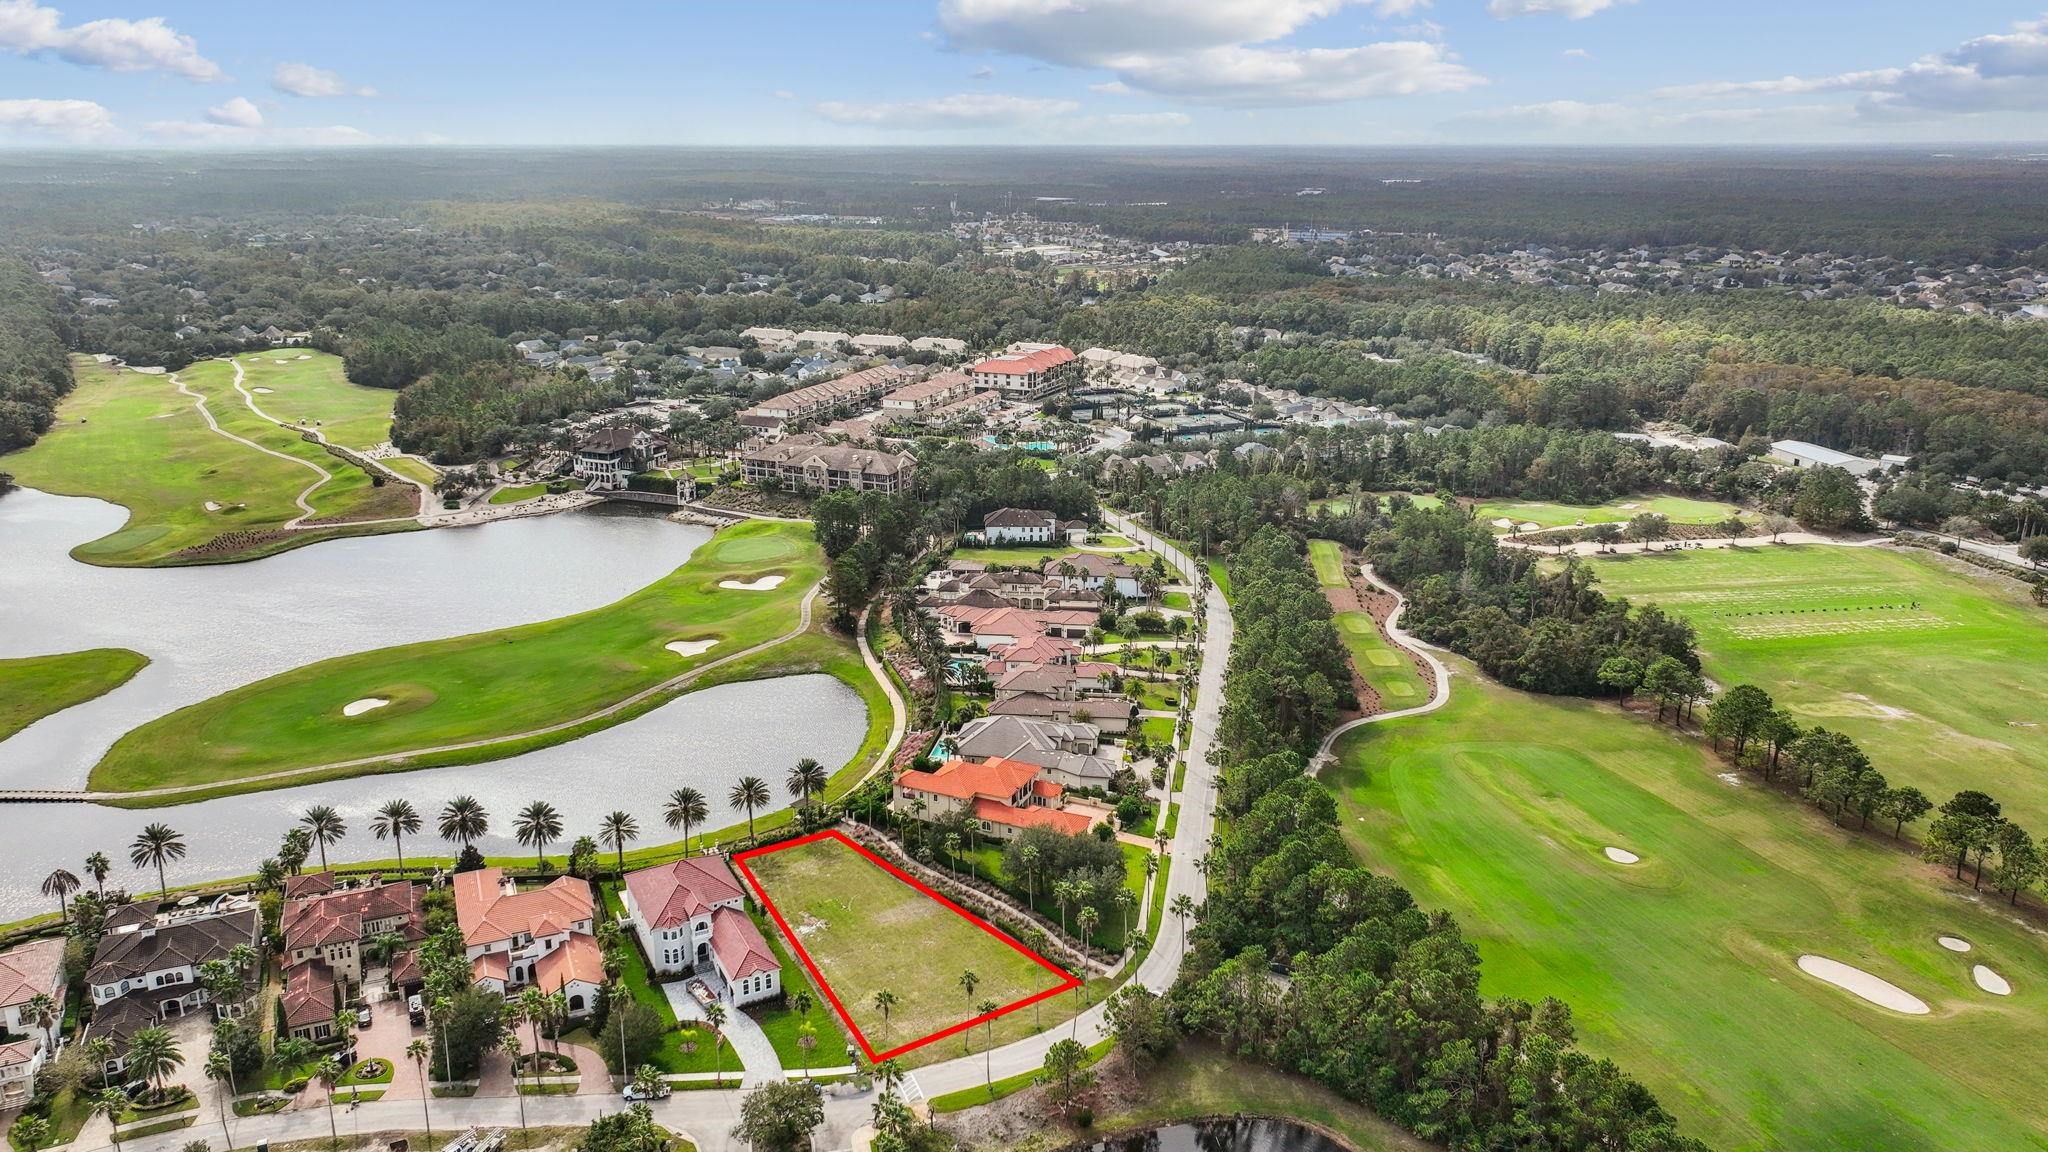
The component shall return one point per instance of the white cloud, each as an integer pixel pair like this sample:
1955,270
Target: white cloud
236,113
985,72
1569,9
72,119
213,131
295,79
325,136
27,29
1577,54
1112,88
783,94
1216,51
2001,72
963,110
1388,9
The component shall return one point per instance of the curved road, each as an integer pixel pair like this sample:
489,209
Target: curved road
1437,699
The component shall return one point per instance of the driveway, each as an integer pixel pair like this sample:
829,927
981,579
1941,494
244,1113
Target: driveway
748,1042
385,1039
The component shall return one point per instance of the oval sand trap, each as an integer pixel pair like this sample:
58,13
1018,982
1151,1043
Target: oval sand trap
758,584
1882,993
690,647
1990,981
1622,856
213,506
1953,943
265,391
358,707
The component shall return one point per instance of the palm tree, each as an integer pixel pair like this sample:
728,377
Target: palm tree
806,1039
100,1050
537,826
396,820
419,1052
884,1000
1062,892
1087,919
750,793
511,1045
30,1132
987,1010
61,884
329,1074
685,809
806,780
464,821
1183,907
157,844
1126,900
42,1011
615,830
112,1104
99,868
968,982
325,826
153,1052
714,1015
220,1068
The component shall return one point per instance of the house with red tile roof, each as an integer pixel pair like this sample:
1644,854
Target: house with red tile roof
336,926
1027,371
34,969
1004,797
309,1001
690,915
508,934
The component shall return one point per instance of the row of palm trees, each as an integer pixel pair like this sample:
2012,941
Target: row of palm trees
462,821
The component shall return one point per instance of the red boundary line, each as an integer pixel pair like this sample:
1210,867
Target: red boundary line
1070,982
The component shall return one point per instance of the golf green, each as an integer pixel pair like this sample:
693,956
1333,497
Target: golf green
32,687
477,688
1390,673
1938,670
1683,966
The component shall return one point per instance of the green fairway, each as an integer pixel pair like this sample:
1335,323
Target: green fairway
482,686
1949,694
135,440
314,391
1328,558
1544,514
1390,673
1683,967
867,930
1341,505
32,687
518,494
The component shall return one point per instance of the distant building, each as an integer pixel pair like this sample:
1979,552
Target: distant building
146,968
945,344
915,402
609,455
879,342
1027,371
1003,797
1030,526
1800,454
808,462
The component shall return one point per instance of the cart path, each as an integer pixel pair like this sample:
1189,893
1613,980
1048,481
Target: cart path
305,510
1407,643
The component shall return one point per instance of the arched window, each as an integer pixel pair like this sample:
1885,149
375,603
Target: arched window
576,1002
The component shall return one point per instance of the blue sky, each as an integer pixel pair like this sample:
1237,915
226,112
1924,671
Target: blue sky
236,73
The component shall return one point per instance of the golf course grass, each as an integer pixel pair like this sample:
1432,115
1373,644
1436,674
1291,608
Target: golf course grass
1390,673
867,930
480,687
516,495
1947,695
32,687
1341,505
1620,510
1328,559
135,440
1683,966
315,390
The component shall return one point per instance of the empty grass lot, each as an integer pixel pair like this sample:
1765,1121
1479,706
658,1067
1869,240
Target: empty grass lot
1545,514
32,687
867,930
1682,968
135,440
1947,695
481,686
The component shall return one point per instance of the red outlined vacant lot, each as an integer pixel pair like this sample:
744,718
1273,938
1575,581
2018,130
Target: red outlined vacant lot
861,925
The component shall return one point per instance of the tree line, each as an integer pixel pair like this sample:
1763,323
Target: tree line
35,372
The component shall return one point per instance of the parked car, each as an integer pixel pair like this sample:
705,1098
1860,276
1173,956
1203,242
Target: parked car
635,1092
363,1016
416,1010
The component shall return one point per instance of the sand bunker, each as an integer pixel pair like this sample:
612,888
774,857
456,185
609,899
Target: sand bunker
263,391
690,647
1531,526
280,361
1881,711
212,506
302,356
1990,981
1882,993
1953,943
1730,779
1622,856
758,584
367,703
1503,522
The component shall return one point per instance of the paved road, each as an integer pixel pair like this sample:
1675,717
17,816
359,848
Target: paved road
706,1117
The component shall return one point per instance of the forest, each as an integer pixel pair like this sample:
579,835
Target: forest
35,371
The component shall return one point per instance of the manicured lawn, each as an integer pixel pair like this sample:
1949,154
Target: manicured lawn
316,389
135,440
1157,729
1178,600
1160,695
866,930
1328,558
1682,967
1341,505
32,687
670,1056
483,685
515,495
1941,677
784,1025
1680,509
412,469
1390,673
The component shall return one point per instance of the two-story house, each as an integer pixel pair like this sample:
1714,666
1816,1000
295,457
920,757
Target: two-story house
540,937
146,968
333,927
34,969
1003,797
691,918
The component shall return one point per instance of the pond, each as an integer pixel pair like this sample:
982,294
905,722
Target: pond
210,629
1242,1135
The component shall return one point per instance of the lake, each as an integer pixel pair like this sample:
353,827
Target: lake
210,629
